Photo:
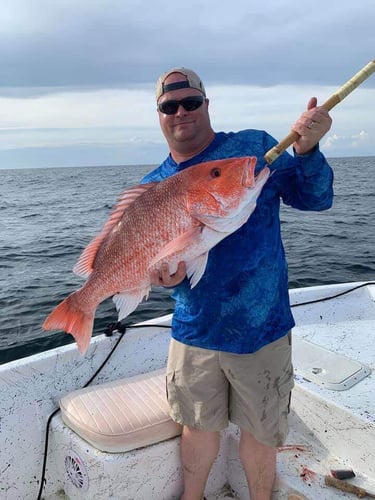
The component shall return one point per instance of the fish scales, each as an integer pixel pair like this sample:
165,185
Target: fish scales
179,218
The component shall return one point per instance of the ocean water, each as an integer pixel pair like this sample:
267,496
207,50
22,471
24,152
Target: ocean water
47,217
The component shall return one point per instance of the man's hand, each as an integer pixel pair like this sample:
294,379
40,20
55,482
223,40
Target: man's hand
163,278
311,126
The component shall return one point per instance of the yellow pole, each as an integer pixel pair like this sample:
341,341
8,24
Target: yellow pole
337,97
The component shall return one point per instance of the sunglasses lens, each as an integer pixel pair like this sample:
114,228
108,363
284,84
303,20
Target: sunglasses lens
169,107
189,104
192,103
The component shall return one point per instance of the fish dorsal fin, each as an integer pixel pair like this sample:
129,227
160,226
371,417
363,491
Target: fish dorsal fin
85,264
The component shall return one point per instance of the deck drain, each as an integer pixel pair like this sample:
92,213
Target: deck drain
76,471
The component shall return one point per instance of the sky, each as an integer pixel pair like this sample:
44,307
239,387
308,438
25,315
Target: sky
77,77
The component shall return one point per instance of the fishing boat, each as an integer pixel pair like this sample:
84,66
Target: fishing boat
97,426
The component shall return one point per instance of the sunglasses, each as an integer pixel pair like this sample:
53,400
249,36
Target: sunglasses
188,103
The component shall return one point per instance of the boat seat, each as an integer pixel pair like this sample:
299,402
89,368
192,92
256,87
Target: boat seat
122,415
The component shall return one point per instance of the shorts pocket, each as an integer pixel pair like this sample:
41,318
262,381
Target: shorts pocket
179,399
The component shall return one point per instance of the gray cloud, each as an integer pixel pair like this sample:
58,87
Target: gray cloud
110,43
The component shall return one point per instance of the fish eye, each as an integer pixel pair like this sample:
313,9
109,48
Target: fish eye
215,172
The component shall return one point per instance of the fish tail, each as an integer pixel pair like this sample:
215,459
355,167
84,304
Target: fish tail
69,317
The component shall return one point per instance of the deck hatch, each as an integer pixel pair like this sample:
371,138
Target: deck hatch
326,368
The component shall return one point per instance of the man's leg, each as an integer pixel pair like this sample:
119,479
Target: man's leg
259,462
198,452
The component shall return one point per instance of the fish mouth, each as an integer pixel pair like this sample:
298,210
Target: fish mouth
248,179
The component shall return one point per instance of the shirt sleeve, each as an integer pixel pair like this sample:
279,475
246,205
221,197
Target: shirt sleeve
305,181
153,176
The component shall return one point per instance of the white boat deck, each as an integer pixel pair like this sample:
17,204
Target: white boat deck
329,429
341,423
344,326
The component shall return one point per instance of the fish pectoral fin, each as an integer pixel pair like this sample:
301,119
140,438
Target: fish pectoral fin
126,302
195,269
85,264
178,245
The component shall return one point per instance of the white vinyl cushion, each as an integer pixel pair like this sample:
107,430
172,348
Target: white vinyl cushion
122,415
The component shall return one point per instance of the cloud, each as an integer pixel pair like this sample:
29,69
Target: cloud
112,43
82,108
120,126
77,76
353,143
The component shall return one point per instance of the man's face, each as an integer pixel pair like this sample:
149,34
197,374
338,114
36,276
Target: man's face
184,128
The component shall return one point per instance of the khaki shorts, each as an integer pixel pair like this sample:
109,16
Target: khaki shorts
206,389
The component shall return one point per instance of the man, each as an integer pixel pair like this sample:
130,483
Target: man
230,353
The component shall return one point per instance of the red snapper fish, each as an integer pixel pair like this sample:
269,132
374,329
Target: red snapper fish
178,219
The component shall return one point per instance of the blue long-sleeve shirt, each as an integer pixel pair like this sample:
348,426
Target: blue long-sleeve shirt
241,303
